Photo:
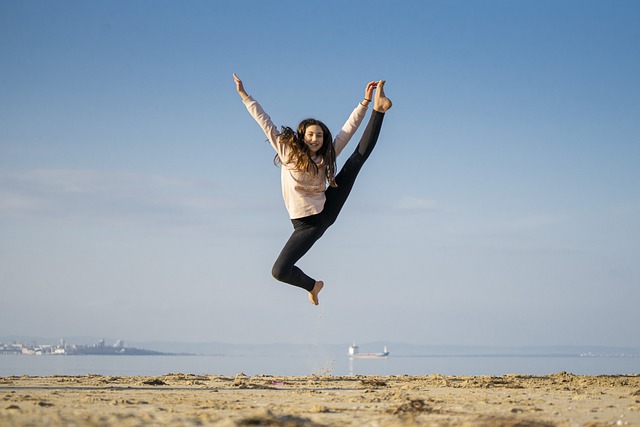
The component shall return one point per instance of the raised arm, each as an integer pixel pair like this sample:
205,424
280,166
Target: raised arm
355,119
260,116
240,87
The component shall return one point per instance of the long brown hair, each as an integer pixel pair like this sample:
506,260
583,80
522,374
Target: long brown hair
300,157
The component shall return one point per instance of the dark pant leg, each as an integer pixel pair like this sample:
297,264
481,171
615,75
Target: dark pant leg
337,196
306,232
370,134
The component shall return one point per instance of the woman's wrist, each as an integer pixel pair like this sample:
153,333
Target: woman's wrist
365,102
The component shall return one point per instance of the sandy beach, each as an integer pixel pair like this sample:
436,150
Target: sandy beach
191,400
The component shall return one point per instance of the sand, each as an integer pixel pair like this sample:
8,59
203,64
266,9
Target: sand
192,400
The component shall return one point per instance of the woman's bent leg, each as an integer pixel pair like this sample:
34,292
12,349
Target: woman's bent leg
301,240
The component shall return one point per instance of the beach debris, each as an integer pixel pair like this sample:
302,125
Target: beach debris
373,382
240,380
243,381
108,380
253,386
320,409
493,421
267,418
412,406
154,381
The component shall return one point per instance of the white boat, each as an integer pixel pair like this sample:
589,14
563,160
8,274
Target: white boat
354,353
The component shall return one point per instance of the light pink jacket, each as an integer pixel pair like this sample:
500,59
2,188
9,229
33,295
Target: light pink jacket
302,191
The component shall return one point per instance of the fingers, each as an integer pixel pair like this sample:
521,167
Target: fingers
239,85
369,89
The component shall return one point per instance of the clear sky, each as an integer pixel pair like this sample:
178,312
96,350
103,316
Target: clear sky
138,198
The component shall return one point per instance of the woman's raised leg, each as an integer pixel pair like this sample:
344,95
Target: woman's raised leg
337,196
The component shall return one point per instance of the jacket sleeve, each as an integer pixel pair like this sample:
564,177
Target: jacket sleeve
263,119
349,128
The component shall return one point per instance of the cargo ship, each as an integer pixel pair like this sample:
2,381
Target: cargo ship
354,353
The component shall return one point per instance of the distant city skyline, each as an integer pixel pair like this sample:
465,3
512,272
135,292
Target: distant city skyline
31,347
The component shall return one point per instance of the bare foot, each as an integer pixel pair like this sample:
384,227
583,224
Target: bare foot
380,102
313,295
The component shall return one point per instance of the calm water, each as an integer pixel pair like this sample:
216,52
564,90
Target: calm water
320,365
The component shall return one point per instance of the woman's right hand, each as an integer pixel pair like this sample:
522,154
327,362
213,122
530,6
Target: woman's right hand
240,87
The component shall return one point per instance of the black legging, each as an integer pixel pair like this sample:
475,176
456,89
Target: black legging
307,230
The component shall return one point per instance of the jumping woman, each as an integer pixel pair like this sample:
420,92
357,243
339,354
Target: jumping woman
308,163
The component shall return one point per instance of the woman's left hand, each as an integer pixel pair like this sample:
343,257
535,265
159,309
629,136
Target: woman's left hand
368,92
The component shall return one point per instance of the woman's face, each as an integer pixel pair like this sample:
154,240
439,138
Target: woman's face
313,138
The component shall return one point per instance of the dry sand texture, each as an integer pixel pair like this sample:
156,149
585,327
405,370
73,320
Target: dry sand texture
192,400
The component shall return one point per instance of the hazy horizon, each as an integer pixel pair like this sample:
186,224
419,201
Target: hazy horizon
188,347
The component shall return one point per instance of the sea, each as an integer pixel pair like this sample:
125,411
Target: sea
320,365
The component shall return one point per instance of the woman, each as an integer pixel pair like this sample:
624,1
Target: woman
308,162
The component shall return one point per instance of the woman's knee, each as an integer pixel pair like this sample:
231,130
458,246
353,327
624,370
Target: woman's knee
279,272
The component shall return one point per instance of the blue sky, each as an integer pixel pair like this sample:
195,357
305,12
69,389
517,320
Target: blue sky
138,199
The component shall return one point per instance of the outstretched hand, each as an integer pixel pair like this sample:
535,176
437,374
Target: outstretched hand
240,87
368,91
